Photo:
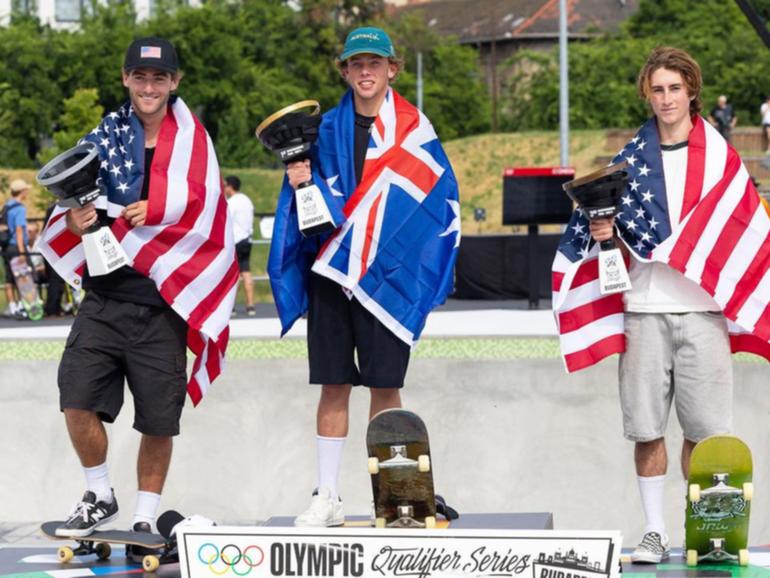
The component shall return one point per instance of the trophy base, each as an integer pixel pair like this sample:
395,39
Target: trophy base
103,252
313,215
613,275
318,229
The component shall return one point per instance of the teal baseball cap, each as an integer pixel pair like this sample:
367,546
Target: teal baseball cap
367,40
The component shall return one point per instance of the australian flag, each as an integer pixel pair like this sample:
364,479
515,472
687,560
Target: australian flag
398,230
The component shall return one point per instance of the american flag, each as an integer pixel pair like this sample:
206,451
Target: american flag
397,243
186,244
722,242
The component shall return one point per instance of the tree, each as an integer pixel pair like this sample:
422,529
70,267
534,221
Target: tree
82,112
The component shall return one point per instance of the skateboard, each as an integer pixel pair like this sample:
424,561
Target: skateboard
719,500
25,283
99,543
399,463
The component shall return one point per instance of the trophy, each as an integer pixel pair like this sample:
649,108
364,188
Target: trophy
289,133
598,196
72,178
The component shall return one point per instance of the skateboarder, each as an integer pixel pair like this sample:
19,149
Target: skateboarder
14,242
377,276
677,344
135,322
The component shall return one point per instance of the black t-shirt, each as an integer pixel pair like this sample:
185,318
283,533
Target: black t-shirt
361,142
126,283
723,116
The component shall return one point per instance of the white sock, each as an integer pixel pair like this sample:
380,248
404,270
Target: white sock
98,481
651,491
146,508
329,460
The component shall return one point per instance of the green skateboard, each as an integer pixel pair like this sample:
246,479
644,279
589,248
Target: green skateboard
98,542
718,504
399,462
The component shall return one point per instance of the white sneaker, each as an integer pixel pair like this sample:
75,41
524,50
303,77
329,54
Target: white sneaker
324,511
653,549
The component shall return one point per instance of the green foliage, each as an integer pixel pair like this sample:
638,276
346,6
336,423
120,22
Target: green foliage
603,71
241,59
82,112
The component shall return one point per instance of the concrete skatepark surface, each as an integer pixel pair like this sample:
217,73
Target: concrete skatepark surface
510,435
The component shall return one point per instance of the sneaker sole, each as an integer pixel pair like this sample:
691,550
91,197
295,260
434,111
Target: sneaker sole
648,558
63,533
332,524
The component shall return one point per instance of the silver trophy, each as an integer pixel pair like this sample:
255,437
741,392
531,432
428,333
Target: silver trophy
598,196
72,178
289,133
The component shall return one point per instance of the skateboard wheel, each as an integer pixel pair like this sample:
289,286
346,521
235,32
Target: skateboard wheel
692,557
430,521
103,550
743,557
379,523
65,554
748,491
423,463
150,563
374,466
695,492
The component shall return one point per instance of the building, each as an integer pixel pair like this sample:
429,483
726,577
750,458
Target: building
65,13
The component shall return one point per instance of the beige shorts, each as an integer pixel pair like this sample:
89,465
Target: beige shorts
680,357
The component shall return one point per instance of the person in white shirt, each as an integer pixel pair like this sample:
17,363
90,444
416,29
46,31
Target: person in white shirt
242,213
765,111
677,344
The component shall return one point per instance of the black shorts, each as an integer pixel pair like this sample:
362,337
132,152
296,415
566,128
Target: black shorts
9,253
114,340
243,254
340,329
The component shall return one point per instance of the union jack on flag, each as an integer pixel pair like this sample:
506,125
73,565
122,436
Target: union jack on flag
722,243
186,244
396,245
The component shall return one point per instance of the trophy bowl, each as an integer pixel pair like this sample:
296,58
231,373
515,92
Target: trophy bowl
72,175
290,131
598,194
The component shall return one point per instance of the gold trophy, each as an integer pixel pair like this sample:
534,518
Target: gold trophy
598,196
290,133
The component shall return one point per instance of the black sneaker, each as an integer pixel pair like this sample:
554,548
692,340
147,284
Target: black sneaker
137,553
87,515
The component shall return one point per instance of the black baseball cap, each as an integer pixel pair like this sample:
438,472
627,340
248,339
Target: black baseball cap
151,52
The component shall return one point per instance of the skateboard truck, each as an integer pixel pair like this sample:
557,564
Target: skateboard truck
405,518
398,459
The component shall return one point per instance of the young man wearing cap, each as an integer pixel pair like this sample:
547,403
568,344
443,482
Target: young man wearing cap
135,322
16,219
377,158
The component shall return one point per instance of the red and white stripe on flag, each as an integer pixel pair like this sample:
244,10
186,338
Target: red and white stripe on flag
722,243
185,247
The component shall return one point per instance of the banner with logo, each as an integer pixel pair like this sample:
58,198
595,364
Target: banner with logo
259,552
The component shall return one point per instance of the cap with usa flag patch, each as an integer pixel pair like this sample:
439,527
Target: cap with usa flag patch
151,52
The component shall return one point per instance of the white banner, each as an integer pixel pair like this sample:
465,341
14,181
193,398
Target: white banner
351,552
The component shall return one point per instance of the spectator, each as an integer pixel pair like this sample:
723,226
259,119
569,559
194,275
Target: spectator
765,110
242,211
723,117
16,215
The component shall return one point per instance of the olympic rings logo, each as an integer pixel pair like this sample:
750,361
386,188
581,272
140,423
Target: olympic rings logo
230,557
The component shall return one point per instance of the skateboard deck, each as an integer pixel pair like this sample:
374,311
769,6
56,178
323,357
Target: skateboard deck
25,283
99,541
400,466
719,500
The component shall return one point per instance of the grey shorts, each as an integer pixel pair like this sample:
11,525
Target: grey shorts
679,357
